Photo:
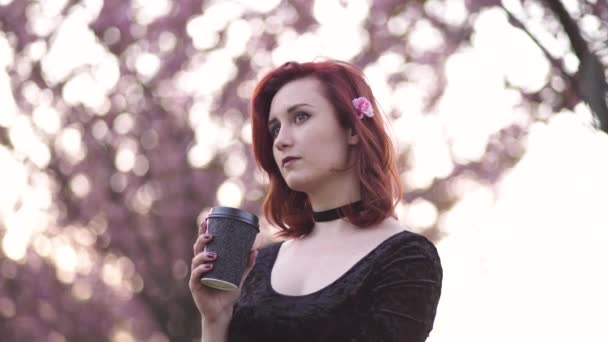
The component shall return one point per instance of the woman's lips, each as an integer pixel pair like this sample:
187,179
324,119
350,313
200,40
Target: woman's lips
289,161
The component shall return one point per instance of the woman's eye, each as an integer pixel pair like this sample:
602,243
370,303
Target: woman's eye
301,116
274,131
298,118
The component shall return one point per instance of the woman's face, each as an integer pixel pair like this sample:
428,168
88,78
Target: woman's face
306,131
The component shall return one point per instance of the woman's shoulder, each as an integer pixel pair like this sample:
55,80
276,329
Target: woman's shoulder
412,239
407,241
397,238
407,250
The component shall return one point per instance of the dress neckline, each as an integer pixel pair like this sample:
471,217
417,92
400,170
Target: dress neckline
337,280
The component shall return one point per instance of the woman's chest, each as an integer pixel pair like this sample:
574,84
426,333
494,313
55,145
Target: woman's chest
308,273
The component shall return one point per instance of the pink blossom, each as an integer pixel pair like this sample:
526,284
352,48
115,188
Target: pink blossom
363,107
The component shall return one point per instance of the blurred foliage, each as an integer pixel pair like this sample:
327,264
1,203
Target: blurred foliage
134,140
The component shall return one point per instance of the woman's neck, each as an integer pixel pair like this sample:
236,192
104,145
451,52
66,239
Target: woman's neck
331,197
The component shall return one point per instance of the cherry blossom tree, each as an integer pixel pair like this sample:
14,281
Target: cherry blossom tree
124,121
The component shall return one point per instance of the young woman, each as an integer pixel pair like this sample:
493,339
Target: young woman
347,270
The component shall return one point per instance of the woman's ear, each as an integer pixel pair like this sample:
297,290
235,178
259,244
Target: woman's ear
353,138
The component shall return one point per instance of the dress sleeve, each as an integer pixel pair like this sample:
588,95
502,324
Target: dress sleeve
404,295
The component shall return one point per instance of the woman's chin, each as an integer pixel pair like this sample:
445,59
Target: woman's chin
296,183
295,187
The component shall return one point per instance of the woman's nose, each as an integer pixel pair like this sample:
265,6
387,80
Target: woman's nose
283,139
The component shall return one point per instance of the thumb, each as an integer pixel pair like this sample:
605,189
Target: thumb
202,228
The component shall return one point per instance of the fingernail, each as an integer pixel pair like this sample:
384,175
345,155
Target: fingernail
207,236
211,255
208,266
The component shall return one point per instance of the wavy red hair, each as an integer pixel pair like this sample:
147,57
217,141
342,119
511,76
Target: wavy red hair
375,164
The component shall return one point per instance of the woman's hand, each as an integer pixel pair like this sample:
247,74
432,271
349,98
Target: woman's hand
213,304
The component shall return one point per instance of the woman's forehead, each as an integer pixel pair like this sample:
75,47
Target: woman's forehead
304,90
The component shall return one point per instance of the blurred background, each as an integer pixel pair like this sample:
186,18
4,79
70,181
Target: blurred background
123,121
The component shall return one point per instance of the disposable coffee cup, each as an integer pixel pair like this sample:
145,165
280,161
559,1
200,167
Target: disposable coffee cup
234,231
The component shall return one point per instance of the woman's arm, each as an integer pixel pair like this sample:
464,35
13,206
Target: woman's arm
216,331
405,294
215,306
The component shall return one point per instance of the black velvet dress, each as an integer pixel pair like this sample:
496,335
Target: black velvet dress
391,294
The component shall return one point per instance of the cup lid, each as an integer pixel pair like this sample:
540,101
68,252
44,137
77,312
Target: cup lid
235,213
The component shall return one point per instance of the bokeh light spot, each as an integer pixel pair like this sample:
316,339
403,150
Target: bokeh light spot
180,269
7,307
121,335
80,185
421,214
235,165
82,291
229,194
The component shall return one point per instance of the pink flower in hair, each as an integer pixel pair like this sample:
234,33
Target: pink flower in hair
363,107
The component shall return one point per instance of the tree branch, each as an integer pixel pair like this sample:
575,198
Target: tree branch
590,74
557,65
589,83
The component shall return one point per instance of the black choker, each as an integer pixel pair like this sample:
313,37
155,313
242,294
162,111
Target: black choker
334,214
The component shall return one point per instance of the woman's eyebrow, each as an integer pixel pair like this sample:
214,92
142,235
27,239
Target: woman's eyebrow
289,110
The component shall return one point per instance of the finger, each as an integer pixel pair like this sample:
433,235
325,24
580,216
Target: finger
198,272
200,243
202,258
253,255
202,228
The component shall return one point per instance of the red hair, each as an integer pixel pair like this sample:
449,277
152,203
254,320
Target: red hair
375,165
